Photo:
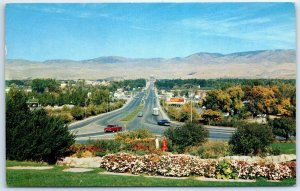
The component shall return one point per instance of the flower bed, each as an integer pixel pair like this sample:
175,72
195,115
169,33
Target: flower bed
186,165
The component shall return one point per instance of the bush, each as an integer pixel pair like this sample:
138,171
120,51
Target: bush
132,135
229,122
189,134
107,146
211,149
77,112
251,139
33,135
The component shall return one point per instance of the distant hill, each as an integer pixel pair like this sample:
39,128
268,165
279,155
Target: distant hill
252,64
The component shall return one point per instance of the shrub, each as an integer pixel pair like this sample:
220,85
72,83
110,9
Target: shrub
251,139
34,135
107,146
77,112
229,122
132,135
211,149
189,134
66,117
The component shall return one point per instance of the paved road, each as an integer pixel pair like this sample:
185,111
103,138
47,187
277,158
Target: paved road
94,127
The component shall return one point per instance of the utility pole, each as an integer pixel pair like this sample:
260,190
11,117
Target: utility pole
191,105
85,107
108,104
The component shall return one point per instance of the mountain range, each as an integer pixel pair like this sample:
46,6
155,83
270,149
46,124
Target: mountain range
251,64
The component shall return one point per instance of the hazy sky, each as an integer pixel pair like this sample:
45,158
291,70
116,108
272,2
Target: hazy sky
84,31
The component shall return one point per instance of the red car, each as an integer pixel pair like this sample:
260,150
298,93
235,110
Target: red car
112,128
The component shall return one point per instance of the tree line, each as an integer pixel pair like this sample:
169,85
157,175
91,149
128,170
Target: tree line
169,84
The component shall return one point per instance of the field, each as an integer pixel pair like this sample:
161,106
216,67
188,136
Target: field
56,177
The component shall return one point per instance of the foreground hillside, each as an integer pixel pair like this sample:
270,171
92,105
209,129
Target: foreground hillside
254,64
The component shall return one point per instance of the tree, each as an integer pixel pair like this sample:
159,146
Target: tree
185,113
284,127
252,138
189,134
261,99
210,115
236,95
218,100
40,85
33,135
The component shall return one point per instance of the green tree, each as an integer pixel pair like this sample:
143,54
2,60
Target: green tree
40,85
218,100
33,135
284,127
189,134
252,138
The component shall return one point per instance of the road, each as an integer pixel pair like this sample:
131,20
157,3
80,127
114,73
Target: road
94,128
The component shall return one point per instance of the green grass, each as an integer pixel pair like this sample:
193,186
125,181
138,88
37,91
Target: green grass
56,177
24,163
133,114
285,148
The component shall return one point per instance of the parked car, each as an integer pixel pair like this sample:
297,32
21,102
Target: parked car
164,122
112,128
140,114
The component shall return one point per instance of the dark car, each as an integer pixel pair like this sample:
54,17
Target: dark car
164,122
112,128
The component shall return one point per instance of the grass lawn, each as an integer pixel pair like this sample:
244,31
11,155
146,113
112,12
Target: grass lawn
56,177
133,114
285,148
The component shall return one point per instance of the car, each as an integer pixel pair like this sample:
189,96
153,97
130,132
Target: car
140,114
164,122
112,128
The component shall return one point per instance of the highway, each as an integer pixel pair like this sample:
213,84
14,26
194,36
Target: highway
94,127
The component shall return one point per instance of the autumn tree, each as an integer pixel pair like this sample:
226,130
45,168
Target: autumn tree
261,99
185,113
210,115
286,96
236,95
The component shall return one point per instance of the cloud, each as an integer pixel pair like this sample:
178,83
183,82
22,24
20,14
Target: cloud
241,27
143,28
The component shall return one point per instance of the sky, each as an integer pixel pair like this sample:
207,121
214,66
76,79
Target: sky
145,30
